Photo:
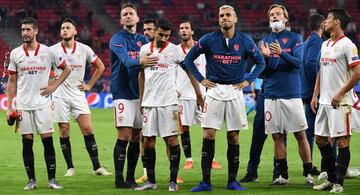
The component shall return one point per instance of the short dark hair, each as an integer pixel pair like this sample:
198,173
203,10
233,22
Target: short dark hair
30,20
164,24
187,21
69,20
125,5
341,15
149,20
315,21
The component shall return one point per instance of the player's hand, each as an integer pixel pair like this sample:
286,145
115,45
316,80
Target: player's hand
208,84
335,102
48,90
265,50
83,86
314,104
200,103
275,47
241,85
148,60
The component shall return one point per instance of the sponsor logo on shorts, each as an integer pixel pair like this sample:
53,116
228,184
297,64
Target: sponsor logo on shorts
340,132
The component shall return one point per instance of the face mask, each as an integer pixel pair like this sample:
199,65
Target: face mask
277,25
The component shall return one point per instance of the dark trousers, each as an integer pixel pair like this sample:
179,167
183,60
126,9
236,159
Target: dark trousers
258,136
310,119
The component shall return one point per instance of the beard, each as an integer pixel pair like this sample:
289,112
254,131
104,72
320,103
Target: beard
159,44
185,38
28,40
67,39
226,27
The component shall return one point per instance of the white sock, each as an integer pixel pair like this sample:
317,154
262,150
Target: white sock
189,159
145,173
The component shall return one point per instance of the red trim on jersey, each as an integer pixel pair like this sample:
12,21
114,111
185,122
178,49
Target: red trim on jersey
342,36
25,50
115,117
62,65
180,123
12,72
94,62
36,49
357,105
348,123
64,49
184,49
352,65
161,49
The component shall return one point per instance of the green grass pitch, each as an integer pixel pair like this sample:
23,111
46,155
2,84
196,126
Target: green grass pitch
13,177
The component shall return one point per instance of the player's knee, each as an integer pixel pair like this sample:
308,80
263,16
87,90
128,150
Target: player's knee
172,141
123,133
233,138
87,130
64,130
135,135
28,136
300,136
342,142
209,134
277,137
149,143
321,141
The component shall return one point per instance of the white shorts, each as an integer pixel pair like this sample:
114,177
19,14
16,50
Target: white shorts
189,113
127,113
332,122
34,121
355,120
62,108
233,112
284,116
161,121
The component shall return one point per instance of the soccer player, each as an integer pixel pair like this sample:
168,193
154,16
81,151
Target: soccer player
339,72
159,102
283,107
149,32
149,28
69,98
29,71
310,66
189,113
226,52
124,51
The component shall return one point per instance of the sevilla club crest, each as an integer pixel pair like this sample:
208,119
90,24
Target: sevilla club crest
139,43
284,40
236,47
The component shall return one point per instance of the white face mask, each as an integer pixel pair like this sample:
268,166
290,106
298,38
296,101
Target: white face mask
278,25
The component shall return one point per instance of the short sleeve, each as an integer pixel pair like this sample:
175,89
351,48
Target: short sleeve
12,65
351,55
58,61
91,57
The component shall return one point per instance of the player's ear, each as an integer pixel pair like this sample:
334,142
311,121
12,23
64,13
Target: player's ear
75,31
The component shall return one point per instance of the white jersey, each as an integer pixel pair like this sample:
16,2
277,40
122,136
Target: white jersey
337,59
183,83
33,71
76,58
160,85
